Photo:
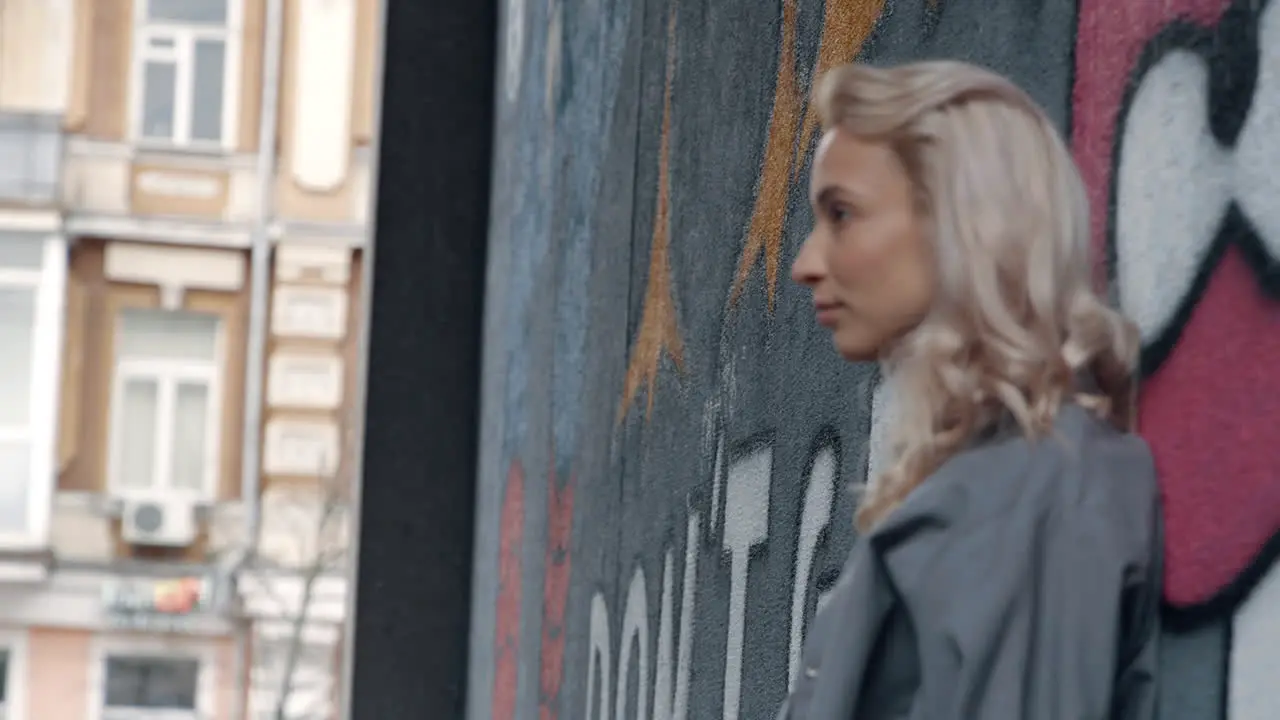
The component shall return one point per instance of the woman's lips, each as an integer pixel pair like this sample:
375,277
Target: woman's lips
826,313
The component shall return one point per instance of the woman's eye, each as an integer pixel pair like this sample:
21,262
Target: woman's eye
839,214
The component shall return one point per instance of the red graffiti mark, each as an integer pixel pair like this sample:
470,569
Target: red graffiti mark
1212,390
1109,37
507,625
555,593
1206,413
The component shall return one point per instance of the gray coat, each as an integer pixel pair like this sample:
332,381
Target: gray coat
1020,582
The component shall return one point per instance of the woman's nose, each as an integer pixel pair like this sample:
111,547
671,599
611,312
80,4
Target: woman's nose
807,268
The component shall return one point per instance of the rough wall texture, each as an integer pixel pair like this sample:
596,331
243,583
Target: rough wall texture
671,450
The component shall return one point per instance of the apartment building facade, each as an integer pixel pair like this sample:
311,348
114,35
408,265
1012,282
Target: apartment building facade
184,201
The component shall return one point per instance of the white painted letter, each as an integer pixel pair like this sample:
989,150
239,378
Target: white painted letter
635,628
746,524
665,706
599,652
817,513
514,50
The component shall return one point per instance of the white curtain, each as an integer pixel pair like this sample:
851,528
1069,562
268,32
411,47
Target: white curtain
15,476
138,424
21,252
21,264
17,334
190,423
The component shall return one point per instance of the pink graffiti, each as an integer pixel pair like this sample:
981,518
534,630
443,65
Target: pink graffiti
1203,405
555,593
507,625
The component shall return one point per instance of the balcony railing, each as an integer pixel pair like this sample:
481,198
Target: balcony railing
30,157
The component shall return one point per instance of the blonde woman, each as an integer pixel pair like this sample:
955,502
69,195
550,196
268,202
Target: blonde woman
1009,562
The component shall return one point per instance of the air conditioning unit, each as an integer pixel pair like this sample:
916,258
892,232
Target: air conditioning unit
158,522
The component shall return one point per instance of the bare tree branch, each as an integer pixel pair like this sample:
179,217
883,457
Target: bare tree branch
320,561
322,542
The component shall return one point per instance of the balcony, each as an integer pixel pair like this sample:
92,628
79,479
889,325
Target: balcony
117,190
30,157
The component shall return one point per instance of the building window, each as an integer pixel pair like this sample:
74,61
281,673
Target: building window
13,644
151,688
165,414
30,156
4,684
31,287
183,75
17,337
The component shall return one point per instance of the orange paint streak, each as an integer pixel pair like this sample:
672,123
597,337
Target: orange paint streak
767,218
846,25
659,331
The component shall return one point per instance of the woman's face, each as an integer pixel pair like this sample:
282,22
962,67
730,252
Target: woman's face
867,260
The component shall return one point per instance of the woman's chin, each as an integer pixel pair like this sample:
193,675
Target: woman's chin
855,349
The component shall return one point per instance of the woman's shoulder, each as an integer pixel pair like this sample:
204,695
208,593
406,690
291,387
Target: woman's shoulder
1009,509
1085,471
1082,458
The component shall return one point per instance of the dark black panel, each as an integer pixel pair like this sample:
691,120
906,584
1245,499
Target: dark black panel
417,509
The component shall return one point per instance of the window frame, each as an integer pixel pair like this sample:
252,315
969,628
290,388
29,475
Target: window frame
192,648
182,55
48,282
14,706
168,374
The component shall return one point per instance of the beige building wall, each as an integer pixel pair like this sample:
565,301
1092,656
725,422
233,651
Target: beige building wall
176,218
117,185
210,281
58,681
100,81
327,110
308,441
326,107
100,84
253,17
64,670
36,42
229,700
119,193
106,278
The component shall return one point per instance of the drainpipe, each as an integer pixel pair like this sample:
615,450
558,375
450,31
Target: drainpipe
259,299
260,269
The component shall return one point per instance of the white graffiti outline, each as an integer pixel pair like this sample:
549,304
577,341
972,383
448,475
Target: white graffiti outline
1174,181
514,49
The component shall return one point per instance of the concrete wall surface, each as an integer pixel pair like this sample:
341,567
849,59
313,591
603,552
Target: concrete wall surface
670,447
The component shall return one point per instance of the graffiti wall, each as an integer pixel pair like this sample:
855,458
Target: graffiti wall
671,450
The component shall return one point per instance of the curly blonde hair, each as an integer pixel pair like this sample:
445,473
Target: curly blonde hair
1016,321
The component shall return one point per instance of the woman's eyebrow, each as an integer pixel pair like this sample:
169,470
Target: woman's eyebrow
825,195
